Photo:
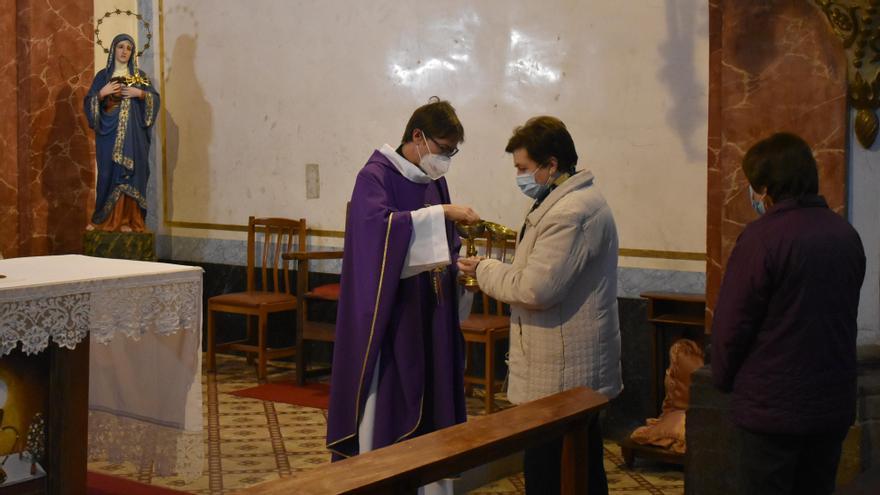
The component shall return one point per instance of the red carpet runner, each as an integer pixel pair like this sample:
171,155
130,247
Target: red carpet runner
102,484
315,395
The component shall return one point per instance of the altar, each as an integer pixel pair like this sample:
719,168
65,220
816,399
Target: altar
144,359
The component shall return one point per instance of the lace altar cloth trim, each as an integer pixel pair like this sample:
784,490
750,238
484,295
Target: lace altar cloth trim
105,310
121,439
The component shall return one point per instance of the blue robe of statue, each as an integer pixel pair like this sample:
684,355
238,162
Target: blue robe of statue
122,138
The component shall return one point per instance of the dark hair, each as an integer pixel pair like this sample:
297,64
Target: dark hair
784,164
437,119
545,137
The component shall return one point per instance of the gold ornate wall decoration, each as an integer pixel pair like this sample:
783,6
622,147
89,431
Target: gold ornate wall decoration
857,24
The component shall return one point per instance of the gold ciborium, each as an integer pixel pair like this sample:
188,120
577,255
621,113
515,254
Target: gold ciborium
499,232
470,232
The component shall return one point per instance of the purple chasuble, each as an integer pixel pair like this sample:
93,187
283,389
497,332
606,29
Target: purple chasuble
421,372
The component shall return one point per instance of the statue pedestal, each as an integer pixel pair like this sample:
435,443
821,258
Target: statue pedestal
139,246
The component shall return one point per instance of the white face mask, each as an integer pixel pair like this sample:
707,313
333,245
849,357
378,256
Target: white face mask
434,165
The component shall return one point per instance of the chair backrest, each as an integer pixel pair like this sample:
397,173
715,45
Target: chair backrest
500,245
272,237
303,284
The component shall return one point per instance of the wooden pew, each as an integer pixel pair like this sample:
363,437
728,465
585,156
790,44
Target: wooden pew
401,468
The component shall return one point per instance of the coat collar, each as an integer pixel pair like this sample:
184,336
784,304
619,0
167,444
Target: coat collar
577,181
807,201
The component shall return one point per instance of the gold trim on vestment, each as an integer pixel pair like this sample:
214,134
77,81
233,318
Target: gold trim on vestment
418,421
96,111
357,403
118,157
148,120
129,190
338,452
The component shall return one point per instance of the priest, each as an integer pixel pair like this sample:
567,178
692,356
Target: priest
398,362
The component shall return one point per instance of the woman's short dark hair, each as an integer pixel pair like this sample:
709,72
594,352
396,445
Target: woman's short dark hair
784,164
437,119
544,137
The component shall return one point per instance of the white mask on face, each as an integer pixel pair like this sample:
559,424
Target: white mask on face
434,165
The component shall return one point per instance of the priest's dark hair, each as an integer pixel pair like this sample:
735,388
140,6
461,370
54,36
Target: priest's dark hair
784,164
437,119
545,137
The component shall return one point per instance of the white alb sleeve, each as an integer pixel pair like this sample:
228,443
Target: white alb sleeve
428,247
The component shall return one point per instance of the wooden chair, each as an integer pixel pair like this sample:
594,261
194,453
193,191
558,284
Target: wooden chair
306,329
488,327
277,237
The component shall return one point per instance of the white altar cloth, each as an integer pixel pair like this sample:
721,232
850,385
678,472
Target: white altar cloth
145,402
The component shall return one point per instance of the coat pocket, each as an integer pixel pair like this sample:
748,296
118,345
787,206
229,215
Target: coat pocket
516,363
517,351
519,331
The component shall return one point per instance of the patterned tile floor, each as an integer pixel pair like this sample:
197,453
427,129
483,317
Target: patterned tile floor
249,441
644,479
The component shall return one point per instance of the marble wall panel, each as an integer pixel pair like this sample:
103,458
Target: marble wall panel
775,66
53,164
8,132
60,150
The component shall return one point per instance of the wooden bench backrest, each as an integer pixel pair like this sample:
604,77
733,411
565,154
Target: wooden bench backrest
403,467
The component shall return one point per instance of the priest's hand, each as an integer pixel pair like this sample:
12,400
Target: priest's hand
468,266
458,213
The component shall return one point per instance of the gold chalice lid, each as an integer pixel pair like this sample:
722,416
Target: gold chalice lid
499,230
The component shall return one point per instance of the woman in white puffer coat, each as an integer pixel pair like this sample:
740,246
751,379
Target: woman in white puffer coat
561,287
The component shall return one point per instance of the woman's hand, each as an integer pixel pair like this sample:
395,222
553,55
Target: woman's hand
110,88
468,266
132,92
458,213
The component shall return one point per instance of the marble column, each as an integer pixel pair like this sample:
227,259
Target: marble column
8,131
774,66
47,186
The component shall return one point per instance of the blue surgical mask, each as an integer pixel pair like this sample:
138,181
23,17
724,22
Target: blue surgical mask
757,204
529,186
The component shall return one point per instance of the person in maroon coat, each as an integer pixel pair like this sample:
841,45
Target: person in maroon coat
784,332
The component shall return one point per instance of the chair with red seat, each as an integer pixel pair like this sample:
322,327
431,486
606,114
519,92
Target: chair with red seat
271,295
307,329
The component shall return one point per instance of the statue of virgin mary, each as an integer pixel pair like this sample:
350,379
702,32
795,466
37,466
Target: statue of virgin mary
121,107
